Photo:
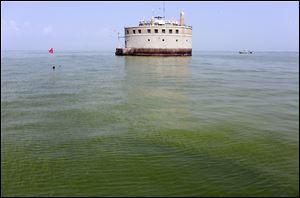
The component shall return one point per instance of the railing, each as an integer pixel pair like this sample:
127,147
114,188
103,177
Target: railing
166,24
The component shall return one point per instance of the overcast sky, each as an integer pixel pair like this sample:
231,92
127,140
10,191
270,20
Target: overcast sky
259,26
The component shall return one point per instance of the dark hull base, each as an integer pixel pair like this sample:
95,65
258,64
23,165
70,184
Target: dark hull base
153,52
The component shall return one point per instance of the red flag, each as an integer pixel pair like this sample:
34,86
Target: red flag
51,50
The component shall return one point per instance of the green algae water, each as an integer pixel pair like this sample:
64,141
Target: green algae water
214,124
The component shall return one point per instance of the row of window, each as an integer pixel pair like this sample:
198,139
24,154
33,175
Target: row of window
155,31
164,40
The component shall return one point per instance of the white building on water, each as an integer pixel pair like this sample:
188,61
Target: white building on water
158,37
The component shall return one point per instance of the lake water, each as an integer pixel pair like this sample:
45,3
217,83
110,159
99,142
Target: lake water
214,124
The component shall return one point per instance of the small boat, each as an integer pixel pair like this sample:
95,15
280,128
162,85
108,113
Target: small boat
245,52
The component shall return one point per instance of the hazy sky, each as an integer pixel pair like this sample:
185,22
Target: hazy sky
259,26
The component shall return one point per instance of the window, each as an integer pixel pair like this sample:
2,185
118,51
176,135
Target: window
133,31
148,39
163,31
177,31
170,31
140,31
163,39
127,31
156,30
149,30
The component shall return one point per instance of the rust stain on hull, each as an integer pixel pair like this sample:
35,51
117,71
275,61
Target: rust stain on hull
153,52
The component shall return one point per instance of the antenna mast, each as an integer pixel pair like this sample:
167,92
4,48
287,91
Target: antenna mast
164,9
119,39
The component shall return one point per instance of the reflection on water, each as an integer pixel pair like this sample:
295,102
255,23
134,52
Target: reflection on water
157,76
161,66
155,89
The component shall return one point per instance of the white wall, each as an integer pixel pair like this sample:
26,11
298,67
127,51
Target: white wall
156,41
140,40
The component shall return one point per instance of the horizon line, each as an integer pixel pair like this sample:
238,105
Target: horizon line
113,50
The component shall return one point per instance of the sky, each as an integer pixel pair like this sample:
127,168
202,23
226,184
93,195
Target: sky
217,26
